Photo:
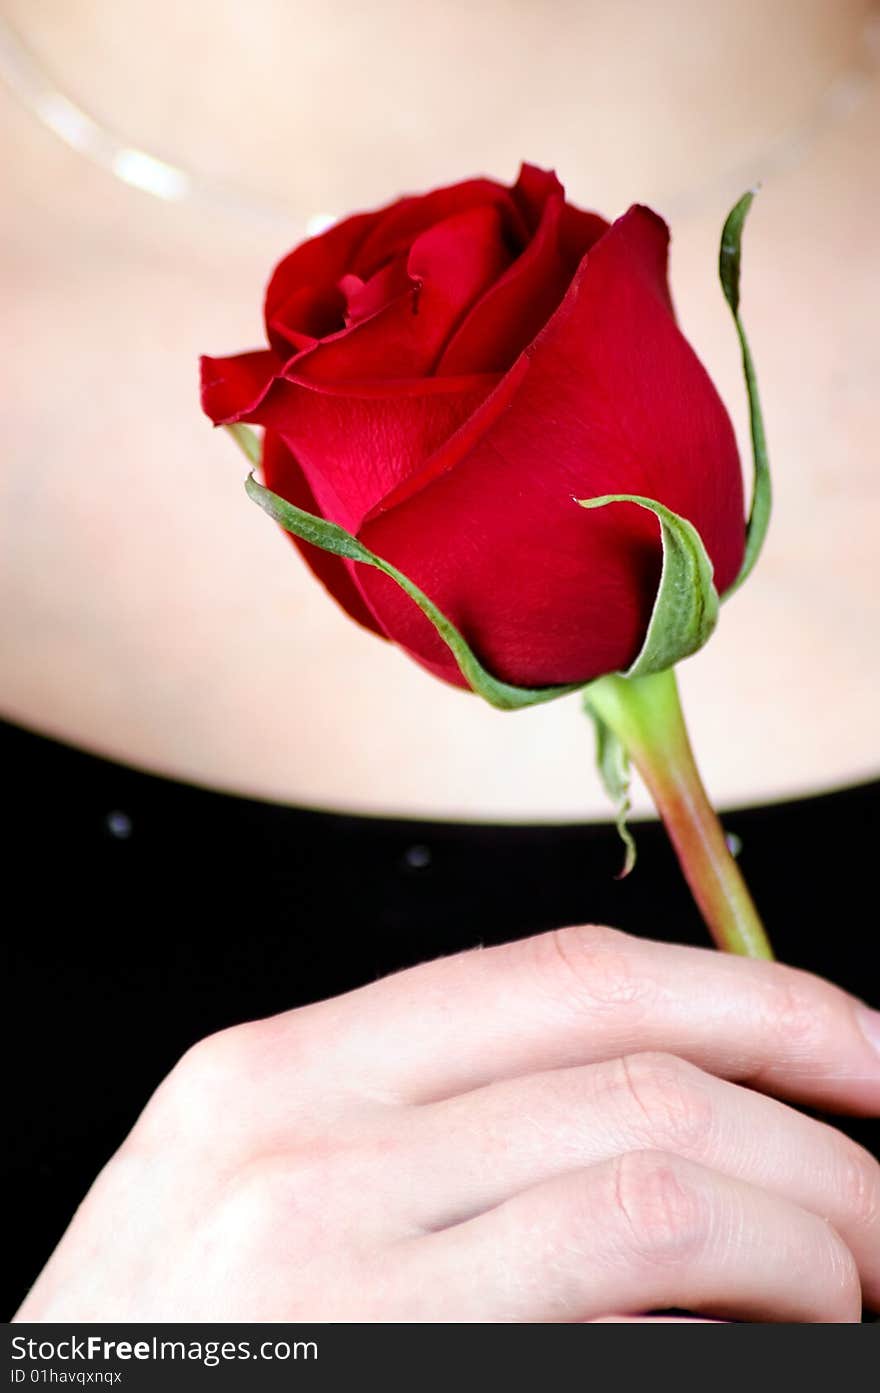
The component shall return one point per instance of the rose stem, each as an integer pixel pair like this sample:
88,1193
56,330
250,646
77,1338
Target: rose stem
645,714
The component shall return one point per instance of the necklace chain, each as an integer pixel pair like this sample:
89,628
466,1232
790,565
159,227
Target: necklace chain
31,84
29,81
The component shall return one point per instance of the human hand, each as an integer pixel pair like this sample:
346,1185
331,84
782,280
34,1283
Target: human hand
578,1126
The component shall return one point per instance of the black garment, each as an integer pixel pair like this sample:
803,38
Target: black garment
143,914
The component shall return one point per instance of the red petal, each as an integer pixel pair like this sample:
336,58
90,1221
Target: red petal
532,191
363,299
614,400
308,314
233,387
354,449
283,476
518,305
397,227
311,267
578,232
448,267
458,444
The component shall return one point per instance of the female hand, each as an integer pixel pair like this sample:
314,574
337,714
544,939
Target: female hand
578,1126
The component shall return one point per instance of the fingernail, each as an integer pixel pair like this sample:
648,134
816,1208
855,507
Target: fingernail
870,1022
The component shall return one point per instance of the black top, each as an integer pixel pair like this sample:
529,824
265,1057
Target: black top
144,913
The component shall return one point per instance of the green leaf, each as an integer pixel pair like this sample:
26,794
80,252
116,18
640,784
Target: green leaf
334,539
686,606
613,764
729,258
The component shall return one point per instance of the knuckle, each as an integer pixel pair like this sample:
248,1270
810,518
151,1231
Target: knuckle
259,1197
299,1180
797,1012
204,1084
859,1187
669,1101
664,1216
601,964
286,1198
208,1066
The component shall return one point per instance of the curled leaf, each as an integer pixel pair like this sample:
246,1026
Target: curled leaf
686,605
729,258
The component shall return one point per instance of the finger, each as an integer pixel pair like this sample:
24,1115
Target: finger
584,994
467,1154
647,1231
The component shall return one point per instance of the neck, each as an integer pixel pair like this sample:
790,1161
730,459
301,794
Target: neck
289,106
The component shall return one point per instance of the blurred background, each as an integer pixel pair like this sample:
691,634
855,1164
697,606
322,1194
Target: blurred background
159,159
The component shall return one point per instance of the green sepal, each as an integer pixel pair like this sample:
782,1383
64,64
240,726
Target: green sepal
729,258
612,762
686,605
330,537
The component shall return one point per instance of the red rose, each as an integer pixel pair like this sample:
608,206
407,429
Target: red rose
445,376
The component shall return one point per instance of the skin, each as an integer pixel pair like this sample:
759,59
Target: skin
573,1128
149,600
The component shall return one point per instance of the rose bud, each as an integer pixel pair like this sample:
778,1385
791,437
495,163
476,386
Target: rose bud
446,379
477,408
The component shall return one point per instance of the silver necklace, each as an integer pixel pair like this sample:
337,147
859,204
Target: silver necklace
28,80
161,178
